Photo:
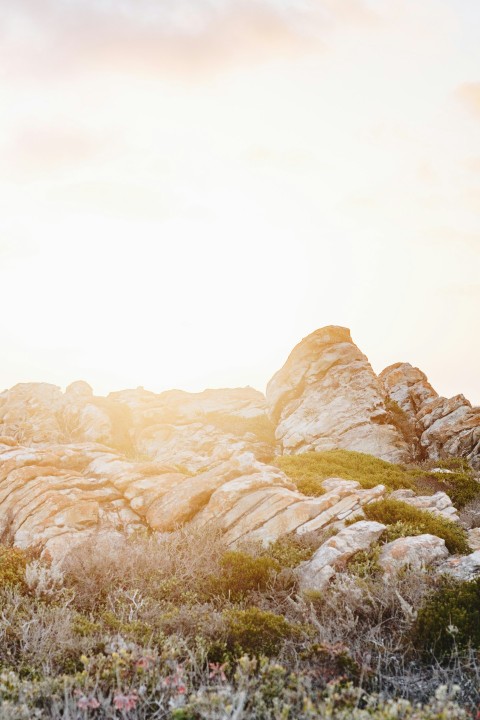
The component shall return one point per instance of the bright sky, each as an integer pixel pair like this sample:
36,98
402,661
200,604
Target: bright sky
189,187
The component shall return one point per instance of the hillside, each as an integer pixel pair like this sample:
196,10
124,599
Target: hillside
312,552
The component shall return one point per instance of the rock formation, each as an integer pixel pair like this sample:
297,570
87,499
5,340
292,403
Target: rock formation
327,396
439,503
446,427
334,553
73,464
416,552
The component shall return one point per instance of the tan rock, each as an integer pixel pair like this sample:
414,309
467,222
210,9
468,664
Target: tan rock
447,427
417,552
327,396
474,538
462,567
438,504
335,552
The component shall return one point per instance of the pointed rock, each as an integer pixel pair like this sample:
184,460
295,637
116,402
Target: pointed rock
327,396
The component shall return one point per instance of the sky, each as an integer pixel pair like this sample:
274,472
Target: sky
189,187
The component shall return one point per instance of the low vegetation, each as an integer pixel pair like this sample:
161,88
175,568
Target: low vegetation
178,626
450,619
308,470
404,520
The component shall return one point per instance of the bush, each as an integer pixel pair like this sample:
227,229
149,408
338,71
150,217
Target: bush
393,512
450,619
13,562
290,550
257,632
308,470
459,484
365,563
242,574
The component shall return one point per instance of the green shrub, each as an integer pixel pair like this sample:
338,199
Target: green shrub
459,484
13,562
393,512
450,618
308,470
257,632
290,550
242,574
364,563
399,529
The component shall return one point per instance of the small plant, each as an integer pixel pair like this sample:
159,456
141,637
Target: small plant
364,563
257,632
242,574
13,562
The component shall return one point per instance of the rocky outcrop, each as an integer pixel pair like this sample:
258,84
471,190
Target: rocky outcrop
327,396
73,464
416,552
265,506
446,427
438,504
56,495
32,413
335,552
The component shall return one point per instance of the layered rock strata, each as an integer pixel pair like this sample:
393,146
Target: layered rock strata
446,427
327,396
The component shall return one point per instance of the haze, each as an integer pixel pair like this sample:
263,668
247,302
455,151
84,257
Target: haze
189,188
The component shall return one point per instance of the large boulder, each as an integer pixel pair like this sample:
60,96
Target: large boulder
446,427
327,396
51,496
416,552
462,567
335,552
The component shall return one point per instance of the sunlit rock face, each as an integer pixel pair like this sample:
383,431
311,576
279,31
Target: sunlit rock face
56,495
197,430
38,412
447,427
327,396
73,465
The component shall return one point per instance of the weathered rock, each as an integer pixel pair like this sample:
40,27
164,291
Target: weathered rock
437,504
474,538
198,430
33,413
446,426
417,552
334,553
51,497
327,396
462,567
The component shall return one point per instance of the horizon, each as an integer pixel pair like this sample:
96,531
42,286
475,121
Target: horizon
188,190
